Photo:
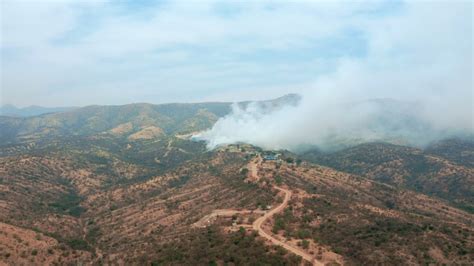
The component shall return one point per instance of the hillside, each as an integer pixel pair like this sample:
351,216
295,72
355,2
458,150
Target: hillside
443,170
121,121
123,210
133,121
368,222
124,202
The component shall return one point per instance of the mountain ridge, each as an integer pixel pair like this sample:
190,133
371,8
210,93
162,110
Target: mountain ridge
171,118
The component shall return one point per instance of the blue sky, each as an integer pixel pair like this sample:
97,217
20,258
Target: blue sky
62,53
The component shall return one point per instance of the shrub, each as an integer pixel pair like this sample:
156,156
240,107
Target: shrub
77,243
278,180
305,244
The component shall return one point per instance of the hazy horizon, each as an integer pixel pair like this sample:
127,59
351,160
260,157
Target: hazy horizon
153,103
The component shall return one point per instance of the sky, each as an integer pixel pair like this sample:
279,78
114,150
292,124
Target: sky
77,53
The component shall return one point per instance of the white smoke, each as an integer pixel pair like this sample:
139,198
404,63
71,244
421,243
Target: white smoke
329,125
418,66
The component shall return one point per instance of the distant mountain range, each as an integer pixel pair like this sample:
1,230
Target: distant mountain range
11,110
35,110
133,121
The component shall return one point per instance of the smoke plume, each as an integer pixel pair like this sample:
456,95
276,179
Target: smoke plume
413,86
334,125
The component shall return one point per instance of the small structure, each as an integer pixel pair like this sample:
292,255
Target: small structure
271,157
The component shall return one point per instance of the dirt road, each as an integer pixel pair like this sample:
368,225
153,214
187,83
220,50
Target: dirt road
257,225
208,219
253,170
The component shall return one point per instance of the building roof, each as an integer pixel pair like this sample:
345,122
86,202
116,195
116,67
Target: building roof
270,157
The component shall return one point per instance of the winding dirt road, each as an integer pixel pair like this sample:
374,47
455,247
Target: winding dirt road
257,225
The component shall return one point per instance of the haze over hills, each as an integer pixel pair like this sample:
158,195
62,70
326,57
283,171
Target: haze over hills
10,110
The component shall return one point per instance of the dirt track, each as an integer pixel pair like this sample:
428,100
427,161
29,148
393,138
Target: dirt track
253,170
257,225
206,220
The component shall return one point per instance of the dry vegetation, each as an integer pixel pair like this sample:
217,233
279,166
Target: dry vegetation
121,217
19,246
370,222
